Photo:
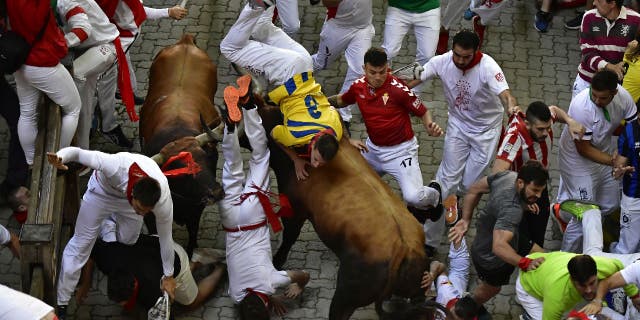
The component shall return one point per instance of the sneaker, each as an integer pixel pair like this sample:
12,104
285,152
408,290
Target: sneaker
468,14
451,216
231,100
436,212
479,29
443,43
117,137
542,21
208,255
577,207
555,209
574,24
224,114
245,92
264,4
61,312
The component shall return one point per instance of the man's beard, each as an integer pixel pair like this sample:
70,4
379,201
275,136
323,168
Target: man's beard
523,197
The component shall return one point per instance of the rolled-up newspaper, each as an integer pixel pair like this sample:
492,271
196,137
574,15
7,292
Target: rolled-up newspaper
183,3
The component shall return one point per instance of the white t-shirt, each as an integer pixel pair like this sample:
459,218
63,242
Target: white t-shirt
599,130
356,14
5,236
472,95
17,305
631,273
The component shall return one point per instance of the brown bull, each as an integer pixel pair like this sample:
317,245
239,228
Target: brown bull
182,84
379,243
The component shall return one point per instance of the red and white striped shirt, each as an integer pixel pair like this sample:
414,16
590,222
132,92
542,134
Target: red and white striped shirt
517,146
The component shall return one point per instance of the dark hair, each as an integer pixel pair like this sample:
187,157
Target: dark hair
539,111
375,56
466,39
619,3
147,191
327,146
534,171
582,267
466,308
120,285
252,308
604,80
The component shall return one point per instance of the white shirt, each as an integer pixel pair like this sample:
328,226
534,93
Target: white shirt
17,305
599,130
111,172
93,22
472,95
353,14
631,273
5,236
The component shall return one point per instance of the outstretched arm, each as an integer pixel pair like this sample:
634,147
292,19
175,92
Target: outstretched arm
336,101
433,129
470,202
576,129
299,280
298,163
509,102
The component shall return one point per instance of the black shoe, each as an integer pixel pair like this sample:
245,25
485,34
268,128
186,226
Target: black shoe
347,127
314,2
436,212
117,137
419,214
574,24
61,312
224,114
430,251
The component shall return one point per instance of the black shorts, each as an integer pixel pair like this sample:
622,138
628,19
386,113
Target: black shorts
496,276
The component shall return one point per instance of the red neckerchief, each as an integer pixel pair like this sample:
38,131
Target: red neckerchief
131,303
578,314
331,12
476,59
135,174
191,167
264,196
262,296
124,83
316,137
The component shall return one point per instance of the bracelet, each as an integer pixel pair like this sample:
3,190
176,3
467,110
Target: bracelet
523,264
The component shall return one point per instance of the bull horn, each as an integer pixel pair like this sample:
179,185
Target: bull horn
211,135
158,158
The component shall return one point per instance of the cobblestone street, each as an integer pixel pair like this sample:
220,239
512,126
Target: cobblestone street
537,66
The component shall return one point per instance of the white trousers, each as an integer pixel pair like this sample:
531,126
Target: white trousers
57,84
426,27
96,206
289,16
599,187
86,70
271,54
465,158
593,242
334,40
629,225
453,11
578,85
488,10
234,182
107,87
401,162
529,303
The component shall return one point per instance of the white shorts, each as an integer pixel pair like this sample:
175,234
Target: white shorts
186,286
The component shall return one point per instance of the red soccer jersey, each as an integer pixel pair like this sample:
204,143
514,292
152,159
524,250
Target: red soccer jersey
386,110
517,146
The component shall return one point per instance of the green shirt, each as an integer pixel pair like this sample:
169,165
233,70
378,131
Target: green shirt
415,6
551,284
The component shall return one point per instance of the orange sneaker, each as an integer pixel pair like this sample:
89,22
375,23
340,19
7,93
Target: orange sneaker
231,99
243,85
555,209
451,214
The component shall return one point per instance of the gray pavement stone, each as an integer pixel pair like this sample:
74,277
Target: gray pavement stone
537,67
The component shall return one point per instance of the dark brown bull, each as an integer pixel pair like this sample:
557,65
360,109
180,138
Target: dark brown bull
379,243
182,84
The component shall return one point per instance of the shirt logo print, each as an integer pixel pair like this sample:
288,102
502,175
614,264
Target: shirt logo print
499,77
463,99
625,30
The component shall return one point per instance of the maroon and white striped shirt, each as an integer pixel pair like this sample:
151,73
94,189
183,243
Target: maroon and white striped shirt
517,146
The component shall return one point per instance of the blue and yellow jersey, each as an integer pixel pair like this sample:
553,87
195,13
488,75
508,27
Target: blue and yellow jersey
306,111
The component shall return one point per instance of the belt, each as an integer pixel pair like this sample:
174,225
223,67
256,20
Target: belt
246,228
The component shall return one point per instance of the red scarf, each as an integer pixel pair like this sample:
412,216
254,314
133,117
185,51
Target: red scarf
476,59
264,196
316,137
136,173
131,303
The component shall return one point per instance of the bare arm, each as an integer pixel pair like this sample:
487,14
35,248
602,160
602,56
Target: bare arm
587,150
509,102
575,128
299,280
500,165
503,250
614,281
336,101
470,202
298,163
433,129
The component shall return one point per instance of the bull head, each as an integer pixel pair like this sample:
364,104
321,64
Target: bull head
203,138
